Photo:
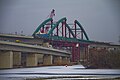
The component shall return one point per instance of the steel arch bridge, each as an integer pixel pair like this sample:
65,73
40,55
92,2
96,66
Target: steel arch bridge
60,34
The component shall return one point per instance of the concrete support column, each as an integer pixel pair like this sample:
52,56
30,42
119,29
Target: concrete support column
6,59
68,60
16,58
47,59
64,60
58,60
31,59
40,59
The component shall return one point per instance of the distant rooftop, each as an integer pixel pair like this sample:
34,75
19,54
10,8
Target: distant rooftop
16,35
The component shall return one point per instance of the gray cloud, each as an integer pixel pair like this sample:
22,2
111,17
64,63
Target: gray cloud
100,18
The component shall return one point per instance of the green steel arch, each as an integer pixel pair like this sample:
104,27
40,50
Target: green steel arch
57,23
82,29
41,25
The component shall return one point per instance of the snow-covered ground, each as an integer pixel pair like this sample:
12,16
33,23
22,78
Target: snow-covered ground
57,71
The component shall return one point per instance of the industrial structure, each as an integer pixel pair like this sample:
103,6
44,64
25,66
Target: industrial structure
53,42
60,34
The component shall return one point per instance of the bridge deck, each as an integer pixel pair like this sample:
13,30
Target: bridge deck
4,45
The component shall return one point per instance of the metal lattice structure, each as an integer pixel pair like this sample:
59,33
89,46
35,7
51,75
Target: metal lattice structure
63,35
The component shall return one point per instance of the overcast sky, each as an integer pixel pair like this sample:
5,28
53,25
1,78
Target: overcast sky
100,18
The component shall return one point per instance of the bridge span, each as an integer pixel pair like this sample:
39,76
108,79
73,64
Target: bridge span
34,55
38,48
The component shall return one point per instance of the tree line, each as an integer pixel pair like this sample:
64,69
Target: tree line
102,58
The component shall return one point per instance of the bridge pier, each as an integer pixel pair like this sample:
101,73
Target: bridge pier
57,60
6,59
47,59
31,60
16,59
40,59
76,52
65,60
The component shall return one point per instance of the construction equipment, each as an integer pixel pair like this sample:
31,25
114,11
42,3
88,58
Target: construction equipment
63,35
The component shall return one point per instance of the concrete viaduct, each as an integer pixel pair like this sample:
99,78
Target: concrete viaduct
10,55
27,51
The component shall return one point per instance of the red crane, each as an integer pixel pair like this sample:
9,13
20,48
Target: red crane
51,15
